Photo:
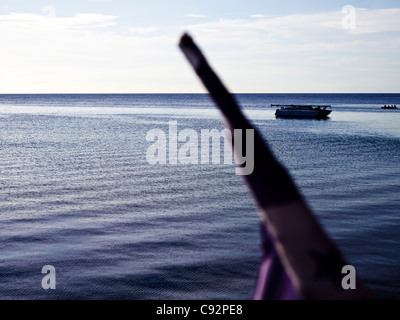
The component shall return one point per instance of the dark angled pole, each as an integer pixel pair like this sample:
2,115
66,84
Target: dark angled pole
299,259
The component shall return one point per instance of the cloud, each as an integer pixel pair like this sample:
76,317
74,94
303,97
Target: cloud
300,50
194,15
299,31
257,16
144,30
376,21
27,21
292,53
82,53
367,21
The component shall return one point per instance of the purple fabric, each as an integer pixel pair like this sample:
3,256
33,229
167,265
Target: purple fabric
273,281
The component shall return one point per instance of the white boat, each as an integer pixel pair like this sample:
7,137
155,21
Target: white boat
302,111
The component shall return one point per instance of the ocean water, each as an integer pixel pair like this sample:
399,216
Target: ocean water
78,193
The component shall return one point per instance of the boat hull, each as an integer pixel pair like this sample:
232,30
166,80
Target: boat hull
287,113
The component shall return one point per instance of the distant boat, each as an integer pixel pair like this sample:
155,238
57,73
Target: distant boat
302,111
389,107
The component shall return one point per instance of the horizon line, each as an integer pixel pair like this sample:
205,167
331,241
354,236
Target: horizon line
205,93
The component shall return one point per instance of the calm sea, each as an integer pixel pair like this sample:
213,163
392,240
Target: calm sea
77,193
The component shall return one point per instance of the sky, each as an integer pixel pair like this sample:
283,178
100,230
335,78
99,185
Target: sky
131,46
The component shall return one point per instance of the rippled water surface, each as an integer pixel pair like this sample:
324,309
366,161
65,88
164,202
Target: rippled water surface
77,193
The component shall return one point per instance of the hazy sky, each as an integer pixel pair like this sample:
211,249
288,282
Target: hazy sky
128,46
